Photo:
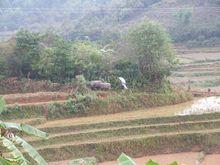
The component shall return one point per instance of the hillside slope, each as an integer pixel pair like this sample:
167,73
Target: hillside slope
102,20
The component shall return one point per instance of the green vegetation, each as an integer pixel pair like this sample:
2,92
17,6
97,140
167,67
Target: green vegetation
51,57
105,21
86,161
126,130
12,142
211,83
192,34
90,104
2,105
126,160
152,49
138,137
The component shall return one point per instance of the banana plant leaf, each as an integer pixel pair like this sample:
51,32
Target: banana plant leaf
24,128
4,161
30,150
14,151
125,160
83,161
151,162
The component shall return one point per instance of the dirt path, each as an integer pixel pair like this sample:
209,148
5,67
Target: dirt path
39,97
188,158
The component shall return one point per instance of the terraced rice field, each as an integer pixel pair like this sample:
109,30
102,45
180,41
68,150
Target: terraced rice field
199,69
35,98
137,133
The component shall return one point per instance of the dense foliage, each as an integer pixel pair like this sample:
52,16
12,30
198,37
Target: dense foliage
51,57
13,143
153,51
186,30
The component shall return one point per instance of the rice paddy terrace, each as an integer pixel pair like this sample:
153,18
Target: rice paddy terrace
199,69
137,133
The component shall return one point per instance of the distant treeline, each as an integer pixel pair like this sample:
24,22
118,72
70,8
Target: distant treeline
104,21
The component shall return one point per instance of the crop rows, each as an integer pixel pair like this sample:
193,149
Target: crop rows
137,137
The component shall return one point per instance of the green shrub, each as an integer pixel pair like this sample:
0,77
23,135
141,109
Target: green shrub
81,84
153,51
70,105
2,105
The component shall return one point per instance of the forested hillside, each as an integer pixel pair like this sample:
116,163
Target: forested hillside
193,22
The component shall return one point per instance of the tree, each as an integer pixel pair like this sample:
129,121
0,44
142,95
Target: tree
153,51
61,60
183,17
26,53
55,62
90,59
11,142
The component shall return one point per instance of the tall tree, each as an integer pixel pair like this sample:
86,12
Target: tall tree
26,53
153,51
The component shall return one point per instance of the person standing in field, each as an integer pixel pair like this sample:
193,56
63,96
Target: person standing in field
123,83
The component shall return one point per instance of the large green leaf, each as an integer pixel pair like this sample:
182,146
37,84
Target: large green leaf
9,161
30,150
33,131
84,161
125,160
150,162
174,163
24,128
14,151
4,161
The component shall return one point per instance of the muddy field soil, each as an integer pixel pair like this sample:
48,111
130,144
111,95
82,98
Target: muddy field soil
190,158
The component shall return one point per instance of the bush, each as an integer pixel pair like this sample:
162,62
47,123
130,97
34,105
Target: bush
26,54
81,84
153,51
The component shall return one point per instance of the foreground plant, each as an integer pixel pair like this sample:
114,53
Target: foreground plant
126,160
12,142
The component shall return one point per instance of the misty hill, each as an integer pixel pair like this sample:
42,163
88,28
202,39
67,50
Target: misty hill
188,21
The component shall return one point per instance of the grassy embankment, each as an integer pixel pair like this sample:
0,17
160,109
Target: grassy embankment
92,104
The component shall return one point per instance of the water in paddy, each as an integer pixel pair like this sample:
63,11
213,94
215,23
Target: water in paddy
170,110
204,105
